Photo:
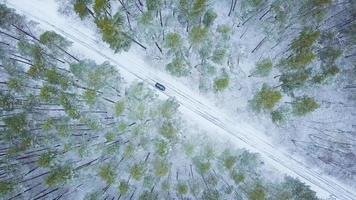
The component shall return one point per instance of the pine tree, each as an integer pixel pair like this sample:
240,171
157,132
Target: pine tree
265,99
304,105
221,84
263,68
81,8
108,174
59,175
178,67
209,17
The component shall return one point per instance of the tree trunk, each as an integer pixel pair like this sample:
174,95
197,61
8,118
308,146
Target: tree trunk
159,48
265,13
231,6
13,37
45,194
19,194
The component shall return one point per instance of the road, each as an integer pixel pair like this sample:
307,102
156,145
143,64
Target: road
133,67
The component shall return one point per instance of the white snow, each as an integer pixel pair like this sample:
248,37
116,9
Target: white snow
193,106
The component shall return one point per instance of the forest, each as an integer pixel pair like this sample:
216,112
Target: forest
75,128
287,64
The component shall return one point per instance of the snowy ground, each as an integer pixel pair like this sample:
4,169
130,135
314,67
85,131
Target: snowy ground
193,106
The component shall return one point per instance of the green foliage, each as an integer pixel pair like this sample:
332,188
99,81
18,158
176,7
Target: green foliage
59,175
85,129
219,55
100,7
122,127
15,84
237,177
7,102
178,67
202,166
302,53
137,171
80,7
139,92
173,41
301,60
54,40
278,117
90,97
148,181
146,19
8,17
198,9
318,7
169,130
123,187
248,162
48,93
184,10
95,76
16,123
5,187
182,189
329,54
139,111
208,69
211,195
108,174
221,84
265,99
46,159
294,189
304,105
293,80
224,30
153,5
102,75
280,9
161,168
110,136
205,52
209,151
54,77
92,196
263,68
169,108
162,147
66,101
189,149
209,17
25,48
35,71
112,32
230,161
255,3
305,40
119,108
257,193
147,195
129,151
197,35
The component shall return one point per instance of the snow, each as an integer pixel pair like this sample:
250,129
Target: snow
193,106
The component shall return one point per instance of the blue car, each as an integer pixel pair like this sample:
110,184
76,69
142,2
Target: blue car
160,87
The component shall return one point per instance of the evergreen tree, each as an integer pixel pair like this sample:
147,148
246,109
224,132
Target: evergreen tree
304,105
265,99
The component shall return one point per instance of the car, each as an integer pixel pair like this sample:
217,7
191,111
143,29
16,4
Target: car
160,87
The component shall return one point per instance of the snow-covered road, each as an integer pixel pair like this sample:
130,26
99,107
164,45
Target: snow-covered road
131,66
